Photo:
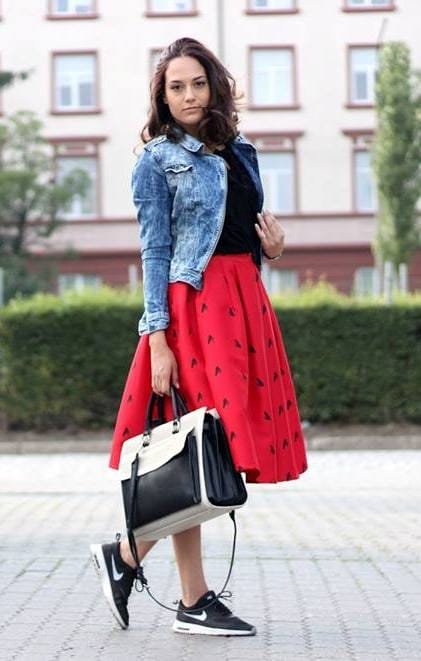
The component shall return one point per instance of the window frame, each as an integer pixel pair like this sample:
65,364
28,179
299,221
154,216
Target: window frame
272,276
77,111
348,8
81,147
281,141
256,10
294,83
350,102
375,284
56,16
152,52
151,13
78,276
361,142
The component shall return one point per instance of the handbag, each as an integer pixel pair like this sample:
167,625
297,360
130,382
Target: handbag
177,474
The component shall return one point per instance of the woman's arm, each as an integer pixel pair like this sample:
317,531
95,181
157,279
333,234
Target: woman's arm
153,203
152,200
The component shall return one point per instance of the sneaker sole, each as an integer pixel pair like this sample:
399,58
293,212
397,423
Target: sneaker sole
98,561
185,627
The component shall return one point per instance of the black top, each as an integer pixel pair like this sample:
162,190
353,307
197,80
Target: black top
238,233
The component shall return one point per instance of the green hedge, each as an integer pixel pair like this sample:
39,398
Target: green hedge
64,360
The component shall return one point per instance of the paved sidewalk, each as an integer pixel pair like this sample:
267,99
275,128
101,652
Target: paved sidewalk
328,566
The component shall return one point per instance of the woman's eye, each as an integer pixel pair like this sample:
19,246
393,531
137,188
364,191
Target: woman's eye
199,82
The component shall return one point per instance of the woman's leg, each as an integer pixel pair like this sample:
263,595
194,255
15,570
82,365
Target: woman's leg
188,554
142,549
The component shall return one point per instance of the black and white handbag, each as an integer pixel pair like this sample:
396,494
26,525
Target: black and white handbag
178,474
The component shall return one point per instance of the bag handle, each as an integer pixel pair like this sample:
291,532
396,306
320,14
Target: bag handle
179,408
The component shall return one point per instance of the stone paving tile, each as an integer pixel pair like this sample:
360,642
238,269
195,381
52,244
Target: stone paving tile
327,566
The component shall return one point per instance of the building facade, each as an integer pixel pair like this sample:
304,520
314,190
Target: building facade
307,71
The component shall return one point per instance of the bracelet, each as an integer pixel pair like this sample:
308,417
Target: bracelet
271,258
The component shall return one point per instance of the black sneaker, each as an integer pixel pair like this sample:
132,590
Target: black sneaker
117,579
217,620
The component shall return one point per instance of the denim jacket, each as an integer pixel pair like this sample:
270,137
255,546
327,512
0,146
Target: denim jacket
180,192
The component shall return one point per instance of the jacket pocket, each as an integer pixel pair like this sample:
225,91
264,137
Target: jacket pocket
180,178
177,168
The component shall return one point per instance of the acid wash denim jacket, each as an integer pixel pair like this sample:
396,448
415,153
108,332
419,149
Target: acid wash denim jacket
180,192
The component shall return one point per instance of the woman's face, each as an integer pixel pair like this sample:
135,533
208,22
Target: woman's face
187,92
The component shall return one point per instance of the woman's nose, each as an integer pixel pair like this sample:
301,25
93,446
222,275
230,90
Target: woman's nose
189,93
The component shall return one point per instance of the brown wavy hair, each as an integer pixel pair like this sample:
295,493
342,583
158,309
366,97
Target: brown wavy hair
219,125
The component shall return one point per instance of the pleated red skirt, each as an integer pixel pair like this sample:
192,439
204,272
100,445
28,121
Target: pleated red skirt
231,356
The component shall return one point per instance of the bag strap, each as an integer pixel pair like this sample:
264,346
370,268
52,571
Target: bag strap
179,407
140,576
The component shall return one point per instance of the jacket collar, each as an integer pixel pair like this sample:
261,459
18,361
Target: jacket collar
190,142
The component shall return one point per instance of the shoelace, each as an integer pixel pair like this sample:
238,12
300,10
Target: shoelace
141,582
222,608
226,594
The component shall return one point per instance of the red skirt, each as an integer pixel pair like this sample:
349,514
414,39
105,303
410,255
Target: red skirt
230,355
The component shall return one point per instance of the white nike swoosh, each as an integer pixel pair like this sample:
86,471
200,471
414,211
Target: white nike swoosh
116,575
202,616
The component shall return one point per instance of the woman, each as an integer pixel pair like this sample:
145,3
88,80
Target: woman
208,325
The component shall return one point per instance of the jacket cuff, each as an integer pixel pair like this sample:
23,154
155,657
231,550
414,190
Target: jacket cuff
153,322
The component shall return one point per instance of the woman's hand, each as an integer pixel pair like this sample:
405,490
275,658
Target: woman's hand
164,369
270,233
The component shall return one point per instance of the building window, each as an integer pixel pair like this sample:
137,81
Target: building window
77,282
80,153
72,7
363,65
279,281
154,55
86,206
170,7
278,170
366,281
272,5
73,155
75,82
363,181
365,188
369,4
278,178
272,77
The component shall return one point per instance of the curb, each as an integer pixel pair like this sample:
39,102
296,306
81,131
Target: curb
318,437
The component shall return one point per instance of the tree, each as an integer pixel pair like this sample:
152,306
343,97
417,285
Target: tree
32,198
8,77
397,157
